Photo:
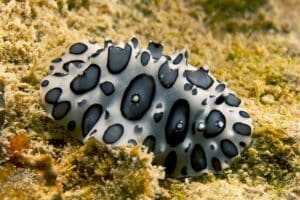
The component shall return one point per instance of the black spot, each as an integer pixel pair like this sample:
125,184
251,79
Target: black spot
188,148
87,81
156,49
135,42
107,88
132,142
59,74
53,95
61,109
56,60
220,87
200,78
198,158
244,114
166,75
242,144
145,57
184,171
232,100
187,87
97,53
90,118
204,102
178,59
77,63
81,103
138,129
51,67
78,48
186,55
178,121
44,83
57,143
168,57
220,100
150,142
216,164
158,116
113,133
242,129
106,115
194,91
214,124
118,58
159,105
228,148
138,97
71,125
170,162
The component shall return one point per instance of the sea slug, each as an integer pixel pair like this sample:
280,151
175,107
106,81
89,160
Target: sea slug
123,94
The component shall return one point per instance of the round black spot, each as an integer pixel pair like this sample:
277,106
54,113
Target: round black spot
132,142
138,97
220,100
194,91
242,129
150,142
158,116
242,144
204,102
170,162
178,121
198,158
212,147
61,109
138,129
90,118
107,88
118,58
200,78
53,95
214,124
71,125
228,148
113,133
145,57
187,87
244,114
78,48
156,49
178,59
184,171
232,100
159,105
44,83
56,60
216,164
167,76
87,81
77,63
51,67
220,87
135,42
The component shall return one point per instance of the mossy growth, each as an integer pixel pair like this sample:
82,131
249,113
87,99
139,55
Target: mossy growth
237,15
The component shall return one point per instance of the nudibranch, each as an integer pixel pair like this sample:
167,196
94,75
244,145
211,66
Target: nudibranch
123,94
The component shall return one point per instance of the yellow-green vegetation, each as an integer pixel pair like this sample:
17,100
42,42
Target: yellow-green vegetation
253,45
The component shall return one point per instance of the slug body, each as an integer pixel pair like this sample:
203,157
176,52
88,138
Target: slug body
128,95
